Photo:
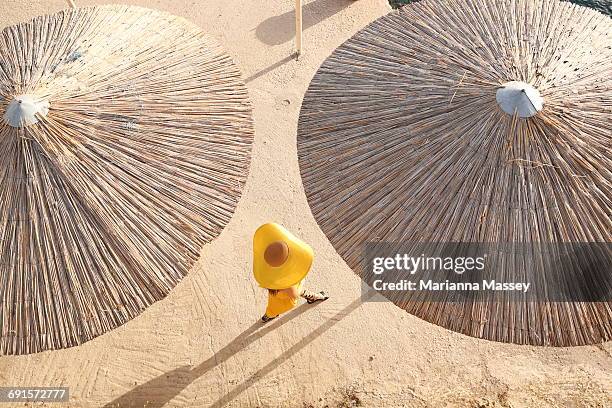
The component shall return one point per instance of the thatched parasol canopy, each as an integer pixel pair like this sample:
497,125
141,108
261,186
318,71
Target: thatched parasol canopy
473,121
125,136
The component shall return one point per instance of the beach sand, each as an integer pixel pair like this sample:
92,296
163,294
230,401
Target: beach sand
203,346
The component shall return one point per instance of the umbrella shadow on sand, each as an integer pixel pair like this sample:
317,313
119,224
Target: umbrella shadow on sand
280,29
157,392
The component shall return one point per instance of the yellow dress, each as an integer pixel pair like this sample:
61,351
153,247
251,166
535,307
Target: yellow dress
281,302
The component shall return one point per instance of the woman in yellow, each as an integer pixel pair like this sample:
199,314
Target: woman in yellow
280,263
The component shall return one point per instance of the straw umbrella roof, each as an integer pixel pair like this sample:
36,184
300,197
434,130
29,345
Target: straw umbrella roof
125,136
470,121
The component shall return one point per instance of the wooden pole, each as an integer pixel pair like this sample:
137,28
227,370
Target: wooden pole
298,27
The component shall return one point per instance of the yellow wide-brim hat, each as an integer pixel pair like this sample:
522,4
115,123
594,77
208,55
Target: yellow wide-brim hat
292,271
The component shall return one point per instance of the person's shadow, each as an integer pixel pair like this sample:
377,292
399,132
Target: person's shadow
280,29
160,390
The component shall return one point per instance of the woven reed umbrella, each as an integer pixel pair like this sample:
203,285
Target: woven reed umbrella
470,121
125,140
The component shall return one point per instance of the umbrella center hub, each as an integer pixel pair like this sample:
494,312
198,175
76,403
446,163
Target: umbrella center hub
520,98
25,110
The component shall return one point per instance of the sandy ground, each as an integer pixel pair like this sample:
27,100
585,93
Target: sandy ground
202,345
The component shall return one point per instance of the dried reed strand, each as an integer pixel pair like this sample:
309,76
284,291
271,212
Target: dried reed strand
400,139
107,201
